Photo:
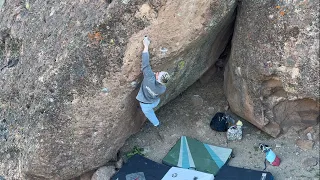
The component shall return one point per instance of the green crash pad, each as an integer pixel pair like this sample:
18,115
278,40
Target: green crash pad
1,3
190,153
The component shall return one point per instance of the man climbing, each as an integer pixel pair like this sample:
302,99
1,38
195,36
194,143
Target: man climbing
152,86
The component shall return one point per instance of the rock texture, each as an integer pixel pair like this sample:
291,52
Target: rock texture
87,176
68,104
104,173
272,77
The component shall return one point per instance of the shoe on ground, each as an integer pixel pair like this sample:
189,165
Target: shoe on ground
146,41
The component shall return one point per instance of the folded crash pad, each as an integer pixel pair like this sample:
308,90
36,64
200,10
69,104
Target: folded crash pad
190,153
141,168
235,173
186,174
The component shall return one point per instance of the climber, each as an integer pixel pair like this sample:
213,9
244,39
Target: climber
152,86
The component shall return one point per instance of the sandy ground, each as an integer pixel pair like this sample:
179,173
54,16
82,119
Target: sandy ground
185,117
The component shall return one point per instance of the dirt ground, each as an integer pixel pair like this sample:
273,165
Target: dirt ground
190,115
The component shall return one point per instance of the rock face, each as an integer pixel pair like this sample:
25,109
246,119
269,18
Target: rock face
67,99
104,173
272,76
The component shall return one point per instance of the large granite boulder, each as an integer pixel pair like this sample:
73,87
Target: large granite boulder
272,78
71,71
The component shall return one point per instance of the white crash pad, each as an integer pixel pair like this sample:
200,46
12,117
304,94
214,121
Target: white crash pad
186,174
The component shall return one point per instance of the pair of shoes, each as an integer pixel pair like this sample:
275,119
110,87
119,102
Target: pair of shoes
146,41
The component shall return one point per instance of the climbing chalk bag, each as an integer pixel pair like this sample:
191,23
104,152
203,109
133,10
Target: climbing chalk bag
272,158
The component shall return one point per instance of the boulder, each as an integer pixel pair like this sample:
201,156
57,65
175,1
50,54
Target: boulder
272,75
104,173
67,103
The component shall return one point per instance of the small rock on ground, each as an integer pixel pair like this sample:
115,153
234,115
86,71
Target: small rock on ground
104,173
309,135
211,110
197,101
305,144
309,162
308,130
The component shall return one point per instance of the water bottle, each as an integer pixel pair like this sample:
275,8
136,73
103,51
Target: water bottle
235,132
239,130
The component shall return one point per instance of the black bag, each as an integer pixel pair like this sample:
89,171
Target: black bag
219,122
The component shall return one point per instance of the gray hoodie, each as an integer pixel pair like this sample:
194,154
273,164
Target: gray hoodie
150,89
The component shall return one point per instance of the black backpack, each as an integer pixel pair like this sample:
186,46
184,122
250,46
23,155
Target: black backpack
219,122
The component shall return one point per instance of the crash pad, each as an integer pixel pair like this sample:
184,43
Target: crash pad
190,153
236,173
186,174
